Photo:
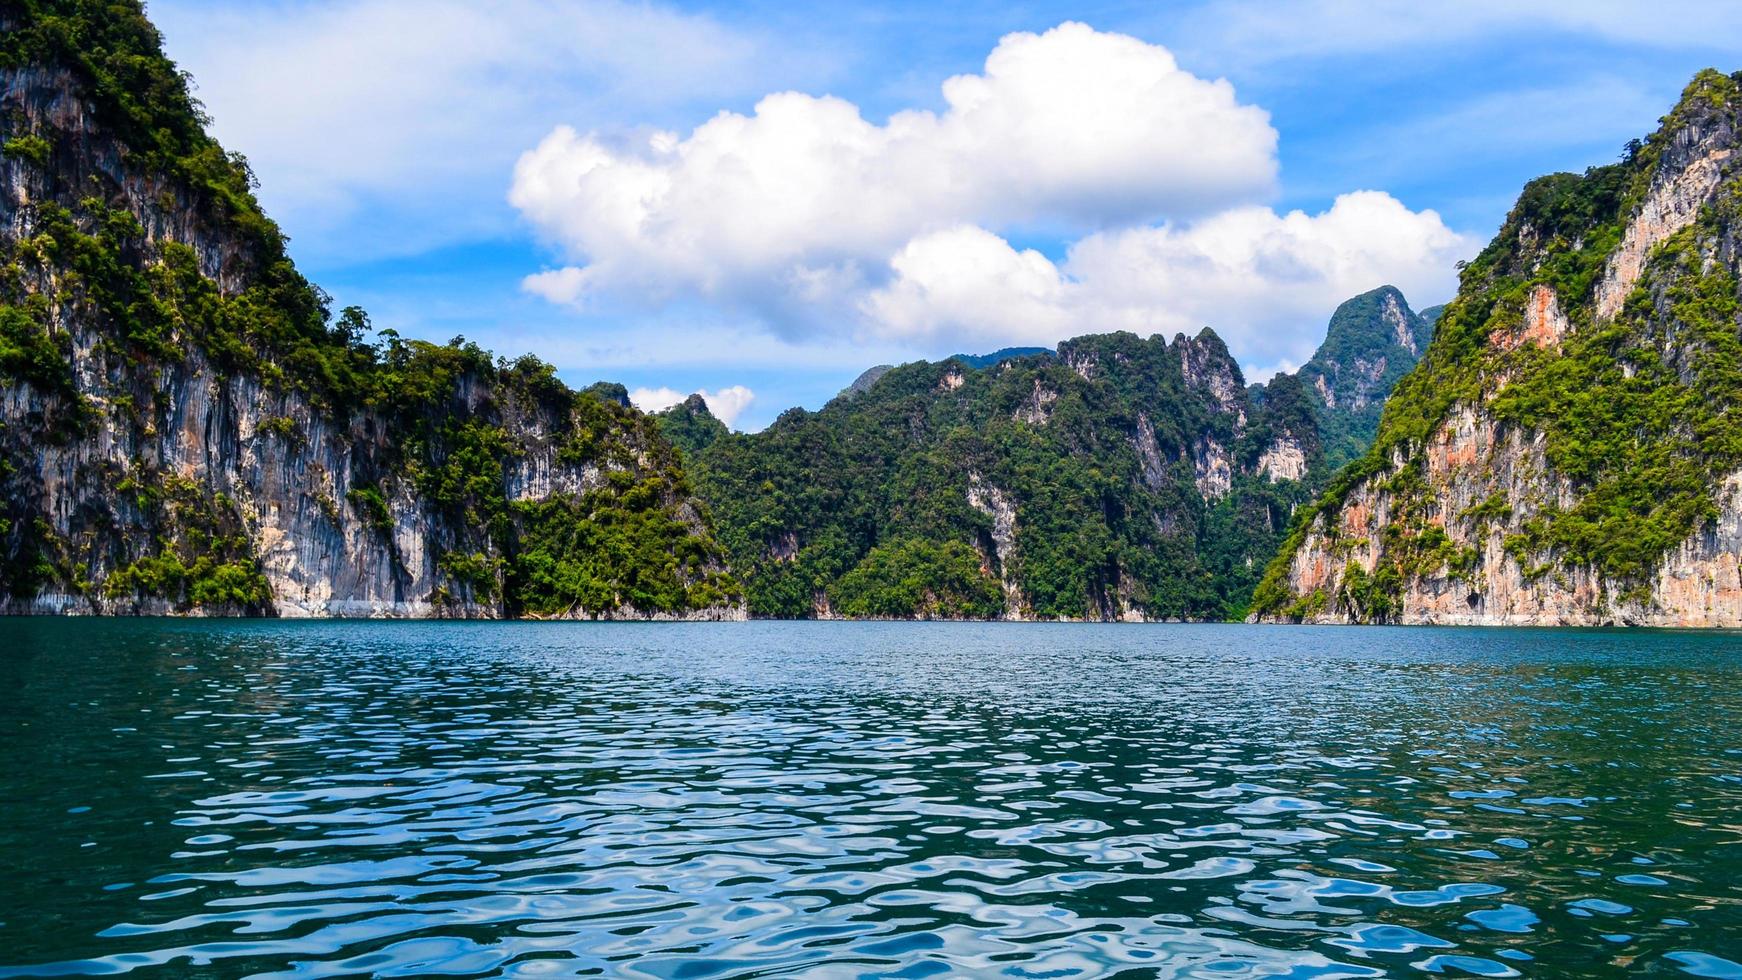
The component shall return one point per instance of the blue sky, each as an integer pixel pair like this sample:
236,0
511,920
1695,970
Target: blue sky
1138,168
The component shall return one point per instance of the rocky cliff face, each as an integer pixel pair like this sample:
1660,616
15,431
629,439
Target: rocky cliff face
1373,340
1118,478
185,429
1567,452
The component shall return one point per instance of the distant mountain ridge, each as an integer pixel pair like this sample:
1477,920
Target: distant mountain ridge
1373,340
983,361
1113,478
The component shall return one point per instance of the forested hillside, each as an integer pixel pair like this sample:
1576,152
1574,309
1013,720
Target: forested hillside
1570,449
188,426
1116,478
1373,340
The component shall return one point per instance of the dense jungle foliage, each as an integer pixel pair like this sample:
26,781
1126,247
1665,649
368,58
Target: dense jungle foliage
452,417
1372,342
1638,411
887,501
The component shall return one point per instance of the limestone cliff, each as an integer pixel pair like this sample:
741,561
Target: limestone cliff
186,428
1373,340
1568,451
1116,478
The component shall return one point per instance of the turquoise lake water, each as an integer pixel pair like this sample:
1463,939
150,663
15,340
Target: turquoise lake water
223,799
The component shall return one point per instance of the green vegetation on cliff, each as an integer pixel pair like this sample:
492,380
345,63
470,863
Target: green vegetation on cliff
689,425
1638,411
1073,476
1373,340
914,577
203,554
435,429
140,98
280,323
1117,476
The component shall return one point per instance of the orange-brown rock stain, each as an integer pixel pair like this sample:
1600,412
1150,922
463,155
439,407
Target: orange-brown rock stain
1544,324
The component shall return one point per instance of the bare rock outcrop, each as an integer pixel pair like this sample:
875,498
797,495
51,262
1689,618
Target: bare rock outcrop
1582,404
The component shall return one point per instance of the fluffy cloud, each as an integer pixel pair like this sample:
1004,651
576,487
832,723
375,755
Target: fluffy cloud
790,206
726,404
967,282
820,222
1265,281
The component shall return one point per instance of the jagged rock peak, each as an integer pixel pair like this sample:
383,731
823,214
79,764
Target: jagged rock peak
1207,367
1372,339
865,380
610,391
691,426
1697,152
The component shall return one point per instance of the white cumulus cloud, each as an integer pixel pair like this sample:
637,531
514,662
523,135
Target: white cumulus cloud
726,404
791,205
1266,282
824,224
967,282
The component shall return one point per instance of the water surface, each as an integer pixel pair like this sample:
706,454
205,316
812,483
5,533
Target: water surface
223,799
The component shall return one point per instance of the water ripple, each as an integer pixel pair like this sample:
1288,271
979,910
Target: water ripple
541,800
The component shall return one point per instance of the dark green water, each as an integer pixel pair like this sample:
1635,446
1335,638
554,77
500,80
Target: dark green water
540,800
